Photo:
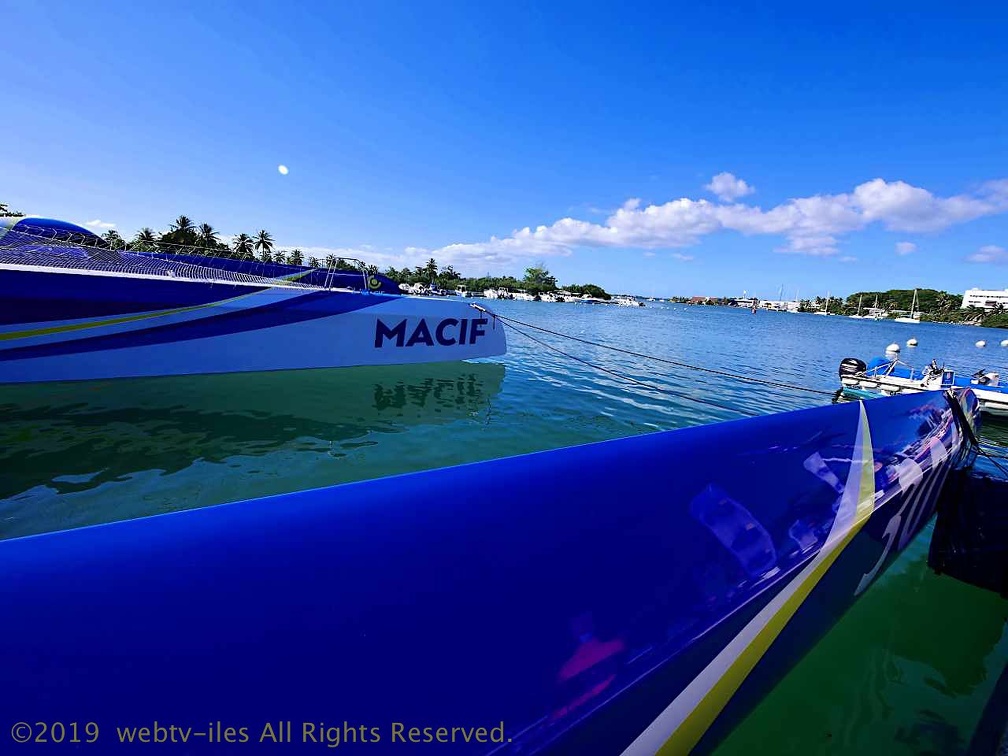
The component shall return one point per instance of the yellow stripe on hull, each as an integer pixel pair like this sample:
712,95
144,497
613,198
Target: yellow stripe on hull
116,321
714,687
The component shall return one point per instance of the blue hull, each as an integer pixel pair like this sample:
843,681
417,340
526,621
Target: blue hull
74,312
634,594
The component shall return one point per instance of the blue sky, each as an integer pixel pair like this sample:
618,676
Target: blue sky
446,128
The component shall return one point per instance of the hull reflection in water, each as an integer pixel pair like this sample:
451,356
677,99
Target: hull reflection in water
62,440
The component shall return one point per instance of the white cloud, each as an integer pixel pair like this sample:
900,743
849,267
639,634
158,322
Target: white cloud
995,192
847,259
902,207
990,253
97,223
809,225
650,254
727,187
812,226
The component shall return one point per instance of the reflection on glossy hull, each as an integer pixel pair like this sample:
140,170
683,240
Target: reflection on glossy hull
570,593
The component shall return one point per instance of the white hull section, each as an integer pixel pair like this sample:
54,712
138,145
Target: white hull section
992,402
395,330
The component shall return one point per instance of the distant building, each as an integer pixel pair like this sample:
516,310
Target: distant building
698,300
986,299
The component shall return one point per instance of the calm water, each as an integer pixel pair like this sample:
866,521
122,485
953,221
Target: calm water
911,664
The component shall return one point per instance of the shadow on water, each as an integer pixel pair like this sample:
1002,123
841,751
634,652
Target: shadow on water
59,440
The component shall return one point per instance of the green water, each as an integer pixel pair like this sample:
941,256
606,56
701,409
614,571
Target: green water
907,670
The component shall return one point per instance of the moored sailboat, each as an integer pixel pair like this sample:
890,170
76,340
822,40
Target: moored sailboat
825,309
914,316
858,315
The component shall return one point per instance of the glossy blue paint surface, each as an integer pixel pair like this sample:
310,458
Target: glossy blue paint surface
569,594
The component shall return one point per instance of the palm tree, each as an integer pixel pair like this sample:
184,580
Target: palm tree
296,257
430,270
243,247
181,234
208,236
313,262
183,223
330,261
113,239
144,241
264,244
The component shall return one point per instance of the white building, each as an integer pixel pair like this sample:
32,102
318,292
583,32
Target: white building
985,298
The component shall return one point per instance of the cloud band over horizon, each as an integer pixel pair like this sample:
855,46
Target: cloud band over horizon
809,225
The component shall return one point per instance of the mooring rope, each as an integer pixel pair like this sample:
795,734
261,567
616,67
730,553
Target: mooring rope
967,429
993,459
723,373
613,373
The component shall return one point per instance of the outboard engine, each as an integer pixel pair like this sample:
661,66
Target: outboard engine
981,377
852,366
932,370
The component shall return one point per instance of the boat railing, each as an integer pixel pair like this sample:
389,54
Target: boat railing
133,264
30,251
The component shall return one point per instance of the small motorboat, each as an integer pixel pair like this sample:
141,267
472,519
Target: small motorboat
888,376
626,301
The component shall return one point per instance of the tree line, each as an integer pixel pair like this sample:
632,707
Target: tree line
932,305
185,236
537,280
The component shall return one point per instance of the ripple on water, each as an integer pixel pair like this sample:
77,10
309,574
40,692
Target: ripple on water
80,453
